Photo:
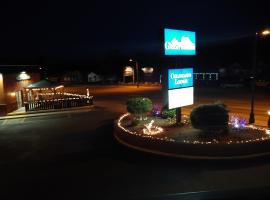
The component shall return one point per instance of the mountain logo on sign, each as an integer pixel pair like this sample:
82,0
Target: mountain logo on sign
184,44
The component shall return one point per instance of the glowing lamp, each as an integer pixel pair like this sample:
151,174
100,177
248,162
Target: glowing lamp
23,76
266,32
12,94
148,70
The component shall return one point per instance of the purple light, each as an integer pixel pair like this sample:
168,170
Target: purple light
238,122
156,111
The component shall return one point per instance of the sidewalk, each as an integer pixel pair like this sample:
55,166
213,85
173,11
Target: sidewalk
23,114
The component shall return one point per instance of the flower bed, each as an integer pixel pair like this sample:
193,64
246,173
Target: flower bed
185,141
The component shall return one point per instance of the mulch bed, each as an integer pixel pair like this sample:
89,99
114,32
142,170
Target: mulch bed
186,132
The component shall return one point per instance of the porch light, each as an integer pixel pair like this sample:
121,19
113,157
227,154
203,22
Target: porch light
23,76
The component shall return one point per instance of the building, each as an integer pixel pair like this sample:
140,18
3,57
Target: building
93,78
13,81
73,77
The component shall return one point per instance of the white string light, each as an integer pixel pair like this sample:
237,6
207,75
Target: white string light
66,94
137,134
213,141
152,130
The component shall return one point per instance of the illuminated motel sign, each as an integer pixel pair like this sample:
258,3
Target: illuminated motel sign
180,81
178,42
180,87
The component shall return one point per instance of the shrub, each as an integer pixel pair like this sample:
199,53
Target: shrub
166,113
210,118
220,103
139,105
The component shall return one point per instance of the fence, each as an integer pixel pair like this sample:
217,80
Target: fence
58,103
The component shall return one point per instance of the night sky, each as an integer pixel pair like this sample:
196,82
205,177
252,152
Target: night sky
78,31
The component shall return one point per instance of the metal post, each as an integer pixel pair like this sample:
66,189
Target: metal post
164,82
253,79
178,110
137,74
133,75
178,116
124,76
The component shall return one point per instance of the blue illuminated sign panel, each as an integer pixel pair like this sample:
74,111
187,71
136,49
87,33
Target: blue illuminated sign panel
178,42
180,78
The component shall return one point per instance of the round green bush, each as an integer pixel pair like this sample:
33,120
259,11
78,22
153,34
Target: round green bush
166,113
139,105
210,118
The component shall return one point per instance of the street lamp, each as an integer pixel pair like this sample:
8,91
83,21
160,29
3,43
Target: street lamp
266,32
137,71
253,80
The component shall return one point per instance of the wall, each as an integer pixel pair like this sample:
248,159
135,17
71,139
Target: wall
11,85
2,96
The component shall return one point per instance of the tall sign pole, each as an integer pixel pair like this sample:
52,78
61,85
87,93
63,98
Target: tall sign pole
179,43
179,109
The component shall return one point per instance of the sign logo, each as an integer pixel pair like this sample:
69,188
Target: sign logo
180,78
179,42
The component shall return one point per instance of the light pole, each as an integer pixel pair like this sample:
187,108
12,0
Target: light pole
253,73
137,71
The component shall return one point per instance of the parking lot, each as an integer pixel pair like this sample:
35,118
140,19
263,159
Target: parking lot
74,155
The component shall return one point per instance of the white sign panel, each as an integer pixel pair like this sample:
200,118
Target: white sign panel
180,97
128,71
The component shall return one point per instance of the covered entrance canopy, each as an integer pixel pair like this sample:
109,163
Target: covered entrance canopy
44,90
46,94
44,84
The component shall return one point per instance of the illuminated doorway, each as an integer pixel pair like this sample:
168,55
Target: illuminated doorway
19,98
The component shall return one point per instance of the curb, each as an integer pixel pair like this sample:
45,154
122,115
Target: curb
46,113
191,151
189,157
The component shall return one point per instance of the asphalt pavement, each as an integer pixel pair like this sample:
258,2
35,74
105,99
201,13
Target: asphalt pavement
74,156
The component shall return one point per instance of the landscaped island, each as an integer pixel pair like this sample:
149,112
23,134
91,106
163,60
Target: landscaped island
209,132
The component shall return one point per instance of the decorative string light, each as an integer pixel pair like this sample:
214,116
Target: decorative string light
137,134
152,130
66,94
213,141
237,122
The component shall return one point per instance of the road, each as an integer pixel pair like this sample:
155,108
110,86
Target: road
74,156
237,99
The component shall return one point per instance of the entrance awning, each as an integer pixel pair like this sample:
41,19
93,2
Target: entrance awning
45,84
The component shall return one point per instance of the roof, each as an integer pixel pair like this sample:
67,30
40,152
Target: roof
45,83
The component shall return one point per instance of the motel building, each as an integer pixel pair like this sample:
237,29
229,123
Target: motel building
22,90
13,83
